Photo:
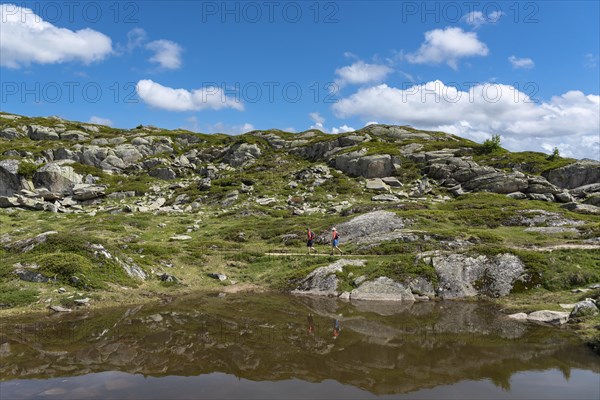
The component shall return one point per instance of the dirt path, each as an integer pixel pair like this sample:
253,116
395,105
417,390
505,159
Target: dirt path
559,247
345,255
532,248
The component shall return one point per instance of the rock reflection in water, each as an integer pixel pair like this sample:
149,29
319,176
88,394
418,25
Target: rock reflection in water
386,348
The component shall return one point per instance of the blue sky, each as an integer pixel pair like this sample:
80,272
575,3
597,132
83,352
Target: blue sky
528,71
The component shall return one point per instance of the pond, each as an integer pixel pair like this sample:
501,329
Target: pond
276,346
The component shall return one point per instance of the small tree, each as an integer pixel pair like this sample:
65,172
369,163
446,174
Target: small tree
555,154
491,145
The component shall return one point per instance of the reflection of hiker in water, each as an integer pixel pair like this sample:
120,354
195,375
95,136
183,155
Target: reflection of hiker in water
336,328
311,324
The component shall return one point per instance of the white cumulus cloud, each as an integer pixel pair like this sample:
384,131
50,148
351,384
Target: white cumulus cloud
524,63
360,73
318,121
166,53
25,38
100,121
166,98
570,119
342,129
477,18
448,46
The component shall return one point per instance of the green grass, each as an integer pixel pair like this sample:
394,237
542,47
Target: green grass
15,296
529,161
65,255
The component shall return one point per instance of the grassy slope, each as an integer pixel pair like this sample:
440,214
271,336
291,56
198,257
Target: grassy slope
216,246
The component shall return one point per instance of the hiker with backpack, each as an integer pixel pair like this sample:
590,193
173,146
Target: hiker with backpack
310,240
335,240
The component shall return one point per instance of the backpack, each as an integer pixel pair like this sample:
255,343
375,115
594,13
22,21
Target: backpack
337,236
312,235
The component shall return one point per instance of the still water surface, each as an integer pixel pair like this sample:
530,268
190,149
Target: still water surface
271,346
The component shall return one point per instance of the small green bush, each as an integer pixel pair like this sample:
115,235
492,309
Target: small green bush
555,154
27,169
491,145
63,265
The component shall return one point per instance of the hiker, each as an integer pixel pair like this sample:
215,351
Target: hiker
335,240
310,241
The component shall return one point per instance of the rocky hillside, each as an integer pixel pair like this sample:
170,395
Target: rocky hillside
99,209
57,165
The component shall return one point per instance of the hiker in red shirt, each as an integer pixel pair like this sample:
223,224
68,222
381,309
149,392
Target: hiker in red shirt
335,240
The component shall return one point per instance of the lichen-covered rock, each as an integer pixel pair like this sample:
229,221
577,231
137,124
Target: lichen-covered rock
584,172
37,132
465,276
10,180
29,244
549,317
10,134
166,174
242,154
421,286
74,135
57,178
358,164
518,316
377,185
386,197
382,289
30,273
82,192
323,281
586,308
497,182
369,225
581,208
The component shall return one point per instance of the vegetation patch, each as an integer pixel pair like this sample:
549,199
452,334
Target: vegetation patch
15,296
27,169
528,161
